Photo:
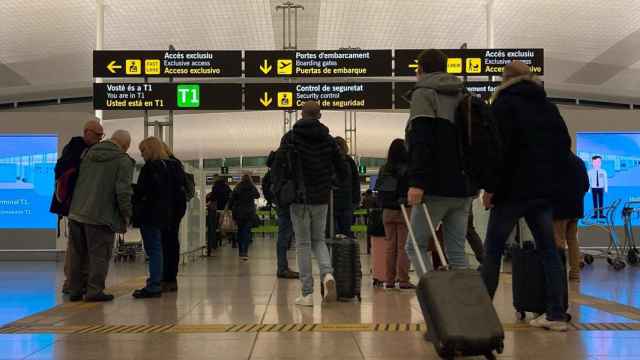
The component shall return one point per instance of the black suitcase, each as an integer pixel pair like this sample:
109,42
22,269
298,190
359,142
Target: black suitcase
460,317
345,260
347,269
528,282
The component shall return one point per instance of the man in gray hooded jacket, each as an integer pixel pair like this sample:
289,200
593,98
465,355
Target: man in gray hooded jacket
436,172
101,206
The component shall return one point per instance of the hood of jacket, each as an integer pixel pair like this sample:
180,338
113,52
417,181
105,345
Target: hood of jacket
528,86
441,82
104,152
311,130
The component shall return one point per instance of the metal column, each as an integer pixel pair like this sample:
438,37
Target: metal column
159,126
351,132
289,14
99,41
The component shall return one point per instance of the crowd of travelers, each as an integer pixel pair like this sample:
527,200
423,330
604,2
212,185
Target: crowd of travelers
313,182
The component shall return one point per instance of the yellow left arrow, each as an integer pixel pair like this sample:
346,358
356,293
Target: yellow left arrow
266,100
113,66
414,66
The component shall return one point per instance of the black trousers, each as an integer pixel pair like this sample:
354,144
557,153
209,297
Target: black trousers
598,201
170,252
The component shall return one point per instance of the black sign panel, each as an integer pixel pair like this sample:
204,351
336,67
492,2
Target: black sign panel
318,63
473,62
482,89
335,96
182,63
167,96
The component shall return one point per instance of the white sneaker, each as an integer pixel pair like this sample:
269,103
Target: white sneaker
330,293
542,322
305,300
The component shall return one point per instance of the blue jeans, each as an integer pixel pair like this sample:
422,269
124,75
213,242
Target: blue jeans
453,213
285,232
538,214
309,223
343,221
244,238
152,241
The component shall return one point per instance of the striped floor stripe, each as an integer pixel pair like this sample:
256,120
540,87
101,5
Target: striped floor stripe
285,328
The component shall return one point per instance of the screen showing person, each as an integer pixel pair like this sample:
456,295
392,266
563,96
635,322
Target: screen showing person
27,181
613,165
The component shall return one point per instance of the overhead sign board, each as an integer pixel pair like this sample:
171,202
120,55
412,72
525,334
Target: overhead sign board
334,96
481,89
473,62
318,63
178,63
167,96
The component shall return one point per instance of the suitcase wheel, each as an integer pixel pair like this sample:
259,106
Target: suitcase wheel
588,258
521,315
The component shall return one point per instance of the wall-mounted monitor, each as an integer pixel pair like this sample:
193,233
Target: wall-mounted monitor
613,163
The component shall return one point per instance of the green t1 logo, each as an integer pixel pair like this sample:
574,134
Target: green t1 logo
188,95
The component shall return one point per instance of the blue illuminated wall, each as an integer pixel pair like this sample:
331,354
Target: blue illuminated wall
27,181
620,154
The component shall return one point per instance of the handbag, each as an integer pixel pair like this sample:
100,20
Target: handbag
227,224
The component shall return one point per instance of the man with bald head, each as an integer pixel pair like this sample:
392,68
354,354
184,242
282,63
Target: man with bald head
101,206
320,158
66,174
536,147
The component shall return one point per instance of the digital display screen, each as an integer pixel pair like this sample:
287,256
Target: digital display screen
613,163
27,165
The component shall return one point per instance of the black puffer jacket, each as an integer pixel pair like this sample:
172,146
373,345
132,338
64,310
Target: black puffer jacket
346,193
157,197
392,199
535,139
221,193
242,203
572,185
320,157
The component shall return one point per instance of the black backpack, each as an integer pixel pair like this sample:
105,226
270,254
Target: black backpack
266,188
480,146
287,183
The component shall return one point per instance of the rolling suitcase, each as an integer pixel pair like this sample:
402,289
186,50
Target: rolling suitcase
528,282
460,317
345,260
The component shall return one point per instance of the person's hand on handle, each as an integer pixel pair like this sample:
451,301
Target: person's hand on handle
414,196
487,200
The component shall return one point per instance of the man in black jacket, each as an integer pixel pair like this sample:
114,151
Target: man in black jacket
319,155
285,228
535,143
436,172
66,175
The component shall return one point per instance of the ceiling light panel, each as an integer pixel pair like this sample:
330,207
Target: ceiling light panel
194,24
576,30
31,31
380,24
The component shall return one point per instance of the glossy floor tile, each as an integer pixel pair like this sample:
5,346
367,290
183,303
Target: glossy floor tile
224,290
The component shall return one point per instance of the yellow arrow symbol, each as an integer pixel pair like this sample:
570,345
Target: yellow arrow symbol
265,67
113,66
266,100
414,66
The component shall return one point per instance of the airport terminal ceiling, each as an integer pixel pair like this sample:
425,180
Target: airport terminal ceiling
591,49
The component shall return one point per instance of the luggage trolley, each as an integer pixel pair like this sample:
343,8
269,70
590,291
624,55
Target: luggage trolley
629,248
614,252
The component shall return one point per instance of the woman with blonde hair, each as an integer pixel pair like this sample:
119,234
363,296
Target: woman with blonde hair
154,199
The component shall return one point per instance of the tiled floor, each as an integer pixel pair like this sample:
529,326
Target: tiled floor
222,290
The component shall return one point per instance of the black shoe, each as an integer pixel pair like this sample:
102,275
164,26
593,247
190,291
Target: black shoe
171,286
289,274
146,294
75,298
407,286
101,297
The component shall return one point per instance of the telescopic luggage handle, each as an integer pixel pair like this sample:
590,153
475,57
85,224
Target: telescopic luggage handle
412,236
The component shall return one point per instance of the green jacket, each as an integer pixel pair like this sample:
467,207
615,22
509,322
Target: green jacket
103,192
